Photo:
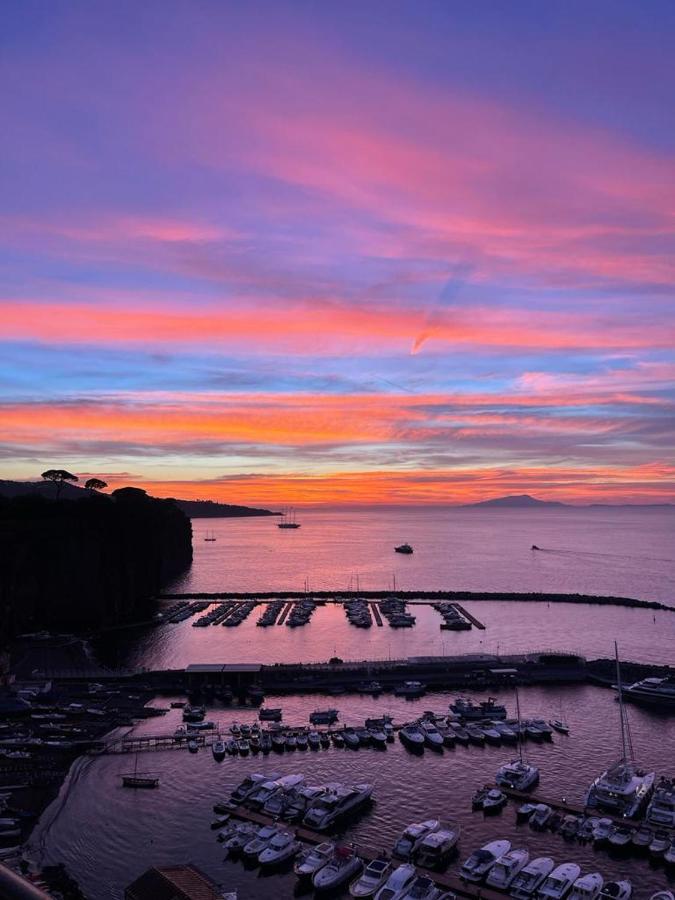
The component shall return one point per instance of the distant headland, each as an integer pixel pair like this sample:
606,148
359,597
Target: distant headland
526,501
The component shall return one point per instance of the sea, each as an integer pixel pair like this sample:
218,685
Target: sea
107,835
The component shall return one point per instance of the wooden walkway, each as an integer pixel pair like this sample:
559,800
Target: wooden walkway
467,615
565,807
447,880
375,610
284,613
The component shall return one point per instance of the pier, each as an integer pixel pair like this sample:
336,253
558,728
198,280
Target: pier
284,613
467,615
375,610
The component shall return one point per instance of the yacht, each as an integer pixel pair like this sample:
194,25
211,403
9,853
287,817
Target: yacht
282,847
312,859
587,887
559,882
518,775
288,520
654,692
437,847
623,789
398,883
260,840
504,871
661,810
422,888
250,784
617,890
432,736
334,804
481,861
531,877
471,711
412,836
240,835
323,716
412,736
342,866
373,877
404,548
298,800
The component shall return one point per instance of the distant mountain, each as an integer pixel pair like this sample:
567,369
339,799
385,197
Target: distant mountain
517,501
195,509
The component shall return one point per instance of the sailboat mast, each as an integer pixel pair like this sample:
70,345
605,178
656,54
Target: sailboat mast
622,713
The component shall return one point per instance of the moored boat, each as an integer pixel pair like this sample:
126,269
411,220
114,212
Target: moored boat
527,882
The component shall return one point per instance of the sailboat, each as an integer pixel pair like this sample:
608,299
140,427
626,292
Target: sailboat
139,780
624,788
288,520
518,775
210,536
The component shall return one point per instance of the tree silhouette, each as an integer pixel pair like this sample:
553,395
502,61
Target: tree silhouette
58,476
95,484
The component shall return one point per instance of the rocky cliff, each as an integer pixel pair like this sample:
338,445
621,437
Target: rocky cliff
74,564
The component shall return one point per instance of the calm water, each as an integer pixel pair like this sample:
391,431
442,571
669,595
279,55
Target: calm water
619,552
107,835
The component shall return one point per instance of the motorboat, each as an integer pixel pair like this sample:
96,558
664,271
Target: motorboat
371,879
298,800
586,828
437,847
412,736
301,740
506,732
642,838
290,742
527,882
282,847
432,736
404,548
558,884
219,750
343,865
481,861
312,859
259,841
241,835
410,689
660,843
602,830
476,735
569,826
517,775
422,888
243,746
351,739
587,887
657,693
504,871
193,746
478,798
412,836
669,855
468,710
250,784
278,742
492,734
661,809
524,812
378,737
559,726
616,890
494,801
314,740
338,739
334,804
541,816
398,883
620,837
259,797
461,734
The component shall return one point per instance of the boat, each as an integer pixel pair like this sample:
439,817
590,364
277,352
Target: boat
569,826
412,736
587,887
494,801
137,779
602,830
219,750
620,837
371,879
404,548
559,726
260,840
504,871
290,742
479,797
437,847
378,738
518,775
540,817
398,883
617,890
311,860
663,895
412,836
351,738
270,714
558,884
623,789
210,536
241,835
410,689
432,736
338,739
301,740
660,843
281,848
288,521
342,866
468,710
422,888
334,804
193,746
658,693
642,838
531,877
481,861
323,716
524,812
476,735
250,784
314,740
661,809
492,735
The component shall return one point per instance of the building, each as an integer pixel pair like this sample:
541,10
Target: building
185,882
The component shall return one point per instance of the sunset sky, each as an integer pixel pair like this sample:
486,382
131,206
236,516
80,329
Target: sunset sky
320,252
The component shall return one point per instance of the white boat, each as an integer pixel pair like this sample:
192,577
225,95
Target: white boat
528,880
654,692
493,801
602,830
623,789
351,738
481,861
372,878
504,871
422,888
241,835
293,804
250,784
398,883
259,841
540,817
410,689
259,797
343,865
412,736
661,809
587,887
660,843
283,846
437,847
669,855
312,859
334,804
432,735
663,895
219,750
617,890
559,882
620,837
412,837
518,775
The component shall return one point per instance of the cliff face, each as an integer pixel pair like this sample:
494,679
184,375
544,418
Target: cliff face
75,564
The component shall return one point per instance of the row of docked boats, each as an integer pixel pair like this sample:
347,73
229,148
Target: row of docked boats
453,620
395,612
270,613
358,613
288,797
301,612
